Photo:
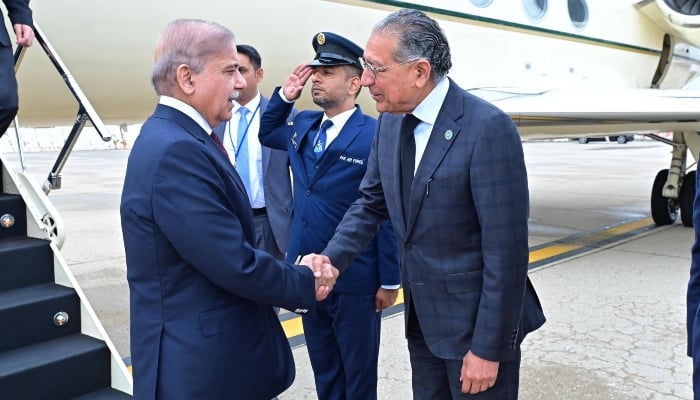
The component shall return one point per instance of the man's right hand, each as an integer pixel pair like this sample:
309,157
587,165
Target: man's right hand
295,82
25,34
324,272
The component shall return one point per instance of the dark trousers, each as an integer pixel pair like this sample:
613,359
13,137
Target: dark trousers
695,346
342,337
434,378
8,88
265,238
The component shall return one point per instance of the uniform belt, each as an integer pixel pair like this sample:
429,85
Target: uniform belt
259,211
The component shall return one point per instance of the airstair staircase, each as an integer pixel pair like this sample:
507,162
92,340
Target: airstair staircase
52,345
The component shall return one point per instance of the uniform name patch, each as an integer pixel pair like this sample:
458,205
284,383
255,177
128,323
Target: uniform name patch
353,160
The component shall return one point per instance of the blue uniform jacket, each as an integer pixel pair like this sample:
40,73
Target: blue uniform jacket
321,200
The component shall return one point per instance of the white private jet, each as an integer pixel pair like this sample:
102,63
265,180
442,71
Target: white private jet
560,68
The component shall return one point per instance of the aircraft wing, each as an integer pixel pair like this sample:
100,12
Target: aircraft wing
575,113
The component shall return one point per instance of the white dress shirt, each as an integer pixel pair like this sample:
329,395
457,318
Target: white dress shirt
257,195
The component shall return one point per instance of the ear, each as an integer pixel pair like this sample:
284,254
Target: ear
259,73
354,85
422,72
185,78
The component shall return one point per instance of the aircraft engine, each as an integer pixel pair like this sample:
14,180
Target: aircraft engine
683,15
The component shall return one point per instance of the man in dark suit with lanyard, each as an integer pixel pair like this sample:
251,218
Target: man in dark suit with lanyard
21,18
448,170
328,153
264,171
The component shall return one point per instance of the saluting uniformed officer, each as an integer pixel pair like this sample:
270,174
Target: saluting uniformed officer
328,152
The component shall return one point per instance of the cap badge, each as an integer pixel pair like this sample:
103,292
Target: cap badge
321,38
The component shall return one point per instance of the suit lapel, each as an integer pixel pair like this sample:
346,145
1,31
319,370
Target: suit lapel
198,133
303,124
265,150
443,135
390,131
265,159
345,137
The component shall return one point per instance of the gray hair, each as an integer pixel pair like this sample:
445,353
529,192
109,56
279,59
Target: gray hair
419,37
186,41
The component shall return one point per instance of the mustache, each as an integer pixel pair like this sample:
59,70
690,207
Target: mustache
234,95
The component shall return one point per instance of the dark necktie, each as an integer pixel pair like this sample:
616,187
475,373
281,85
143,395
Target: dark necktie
216,140
321,138
408,159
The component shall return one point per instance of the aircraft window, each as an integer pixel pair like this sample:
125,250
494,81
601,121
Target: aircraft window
482,3
535,9
578,12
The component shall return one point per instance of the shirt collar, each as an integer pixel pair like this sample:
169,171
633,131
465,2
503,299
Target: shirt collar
187,110
429,108
251,105
340,119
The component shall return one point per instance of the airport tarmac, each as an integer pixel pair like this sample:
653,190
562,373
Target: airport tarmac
616,312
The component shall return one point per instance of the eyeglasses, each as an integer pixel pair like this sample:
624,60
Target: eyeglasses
375,70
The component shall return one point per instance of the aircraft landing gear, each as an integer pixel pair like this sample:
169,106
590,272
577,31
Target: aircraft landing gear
686,199
673,191
664,210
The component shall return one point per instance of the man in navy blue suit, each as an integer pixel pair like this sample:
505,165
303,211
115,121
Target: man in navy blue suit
266,170
203,324
693,296
21,18
448,170
328,152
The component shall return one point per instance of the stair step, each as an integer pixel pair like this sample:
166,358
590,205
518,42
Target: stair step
105,394
25,261
27,314
13,204
58,369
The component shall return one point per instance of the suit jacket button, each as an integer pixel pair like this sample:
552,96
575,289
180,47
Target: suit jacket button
408,246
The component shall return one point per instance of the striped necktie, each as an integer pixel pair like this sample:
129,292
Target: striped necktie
220,145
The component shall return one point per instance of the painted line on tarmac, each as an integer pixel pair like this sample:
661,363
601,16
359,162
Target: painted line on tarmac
586,241
540,255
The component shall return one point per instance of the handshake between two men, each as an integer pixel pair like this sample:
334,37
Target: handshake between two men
324,272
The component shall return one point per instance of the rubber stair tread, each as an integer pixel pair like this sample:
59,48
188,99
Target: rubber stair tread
4,196
105,394
21,242
32,294
47,352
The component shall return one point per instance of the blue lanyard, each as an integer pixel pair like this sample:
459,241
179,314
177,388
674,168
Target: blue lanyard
236,149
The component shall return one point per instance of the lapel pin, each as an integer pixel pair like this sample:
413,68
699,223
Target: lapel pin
448,134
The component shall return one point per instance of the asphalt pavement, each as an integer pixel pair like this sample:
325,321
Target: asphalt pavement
616,312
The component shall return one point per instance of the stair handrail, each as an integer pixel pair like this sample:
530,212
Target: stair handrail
85,110
48,223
